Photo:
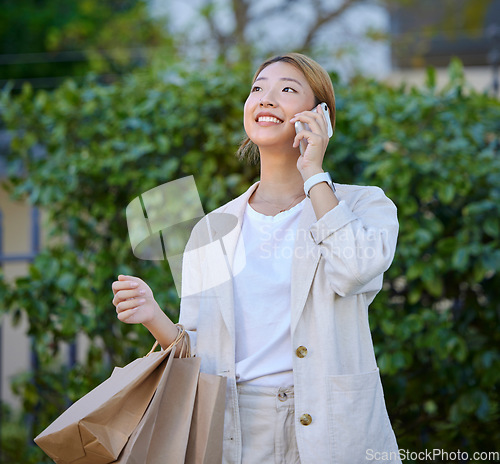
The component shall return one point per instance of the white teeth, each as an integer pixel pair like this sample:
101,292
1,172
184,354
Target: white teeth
269,119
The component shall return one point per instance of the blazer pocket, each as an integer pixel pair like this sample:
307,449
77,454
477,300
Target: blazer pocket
360,430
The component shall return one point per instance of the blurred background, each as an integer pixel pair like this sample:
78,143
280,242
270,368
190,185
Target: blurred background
102,101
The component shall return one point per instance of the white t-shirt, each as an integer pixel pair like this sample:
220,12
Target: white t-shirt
262,297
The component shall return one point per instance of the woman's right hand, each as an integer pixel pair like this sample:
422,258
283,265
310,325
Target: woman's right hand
134,300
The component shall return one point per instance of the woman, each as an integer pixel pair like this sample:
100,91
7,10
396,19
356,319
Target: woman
289,325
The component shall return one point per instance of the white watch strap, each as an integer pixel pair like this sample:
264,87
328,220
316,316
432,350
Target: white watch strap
317,179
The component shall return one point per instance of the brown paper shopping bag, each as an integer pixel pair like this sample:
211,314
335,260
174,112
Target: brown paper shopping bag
207,426
95,429
184,421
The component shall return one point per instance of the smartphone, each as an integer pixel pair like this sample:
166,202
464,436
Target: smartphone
301,126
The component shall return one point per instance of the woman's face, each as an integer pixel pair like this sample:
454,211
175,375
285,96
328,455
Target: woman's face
279,92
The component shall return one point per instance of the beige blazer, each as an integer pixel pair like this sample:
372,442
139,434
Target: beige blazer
337,270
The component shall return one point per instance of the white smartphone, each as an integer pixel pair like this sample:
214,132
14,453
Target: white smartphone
299,126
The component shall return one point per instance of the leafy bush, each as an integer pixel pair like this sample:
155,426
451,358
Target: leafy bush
86,153
14,438
436,154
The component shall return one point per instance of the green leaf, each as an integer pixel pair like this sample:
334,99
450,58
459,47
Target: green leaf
446,193
460,259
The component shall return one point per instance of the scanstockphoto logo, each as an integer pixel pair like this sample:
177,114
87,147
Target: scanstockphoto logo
433,455
160,224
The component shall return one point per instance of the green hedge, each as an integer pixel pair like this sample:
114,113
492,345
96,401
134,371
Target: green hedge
435,153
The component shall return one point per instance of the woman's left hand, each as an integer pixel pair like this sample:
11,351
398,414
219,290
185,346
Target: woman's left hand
311,161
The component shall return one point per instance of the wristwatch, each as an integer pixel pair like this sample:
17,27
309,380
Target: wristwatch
317,179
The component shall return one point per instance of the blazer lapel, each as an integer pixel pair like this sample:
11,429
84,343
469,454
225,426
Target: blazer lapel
305,260
229,241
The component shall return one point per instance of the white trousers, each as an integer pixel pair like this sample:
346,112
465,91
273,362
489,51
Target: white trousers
267,425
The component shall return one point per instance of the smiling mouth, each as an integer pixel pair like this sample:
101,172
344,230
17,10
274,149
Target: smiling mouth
269,119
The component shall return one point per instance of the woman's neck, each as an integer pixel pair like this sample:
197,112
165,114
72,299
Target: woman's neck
281,186
280,179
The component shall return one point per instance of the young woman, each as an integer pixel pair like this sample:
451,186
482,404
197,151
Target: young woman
288,325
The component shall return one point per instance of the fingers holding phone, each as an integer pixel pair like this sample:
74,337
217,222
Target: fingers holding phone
313,130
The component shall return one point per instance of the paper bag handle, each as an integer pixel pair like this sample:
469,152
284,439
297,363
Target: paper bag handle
182,337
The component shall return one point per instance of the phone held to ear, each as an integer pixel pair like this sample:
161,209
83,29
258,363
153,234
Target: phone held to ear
299,126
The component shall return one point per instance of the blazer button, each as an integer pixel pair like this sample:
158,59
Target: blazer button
305,419
301,352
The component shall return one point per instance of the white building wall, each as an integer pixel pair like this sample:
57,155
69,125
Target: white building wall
15,347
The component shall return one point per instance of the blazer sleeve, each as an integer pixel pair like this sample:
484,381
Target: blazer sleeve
357,240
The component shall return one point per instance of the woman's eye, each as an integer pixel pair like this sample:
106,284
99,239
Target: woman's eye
288,89
255,88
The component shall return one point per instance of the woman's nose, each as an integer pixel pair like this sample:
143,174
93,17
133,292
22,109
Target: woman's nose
265,103
267,100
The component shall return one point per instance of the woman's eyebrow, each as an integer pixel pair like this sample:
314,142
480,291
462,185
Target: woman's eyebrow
281,79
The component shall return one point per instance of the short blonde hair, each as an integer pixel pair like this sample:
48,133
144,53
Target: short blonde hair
316,77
